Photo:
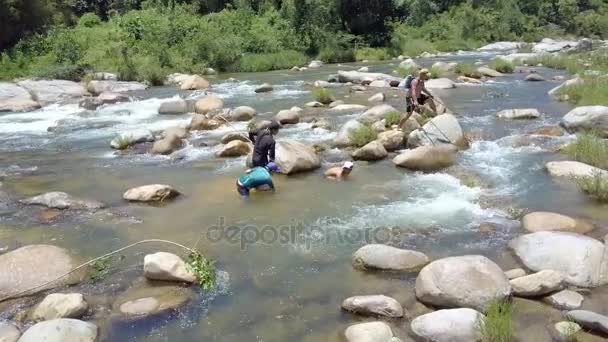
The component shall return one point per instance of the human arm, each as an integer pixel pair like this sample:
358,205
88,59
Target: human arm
271,150
426,91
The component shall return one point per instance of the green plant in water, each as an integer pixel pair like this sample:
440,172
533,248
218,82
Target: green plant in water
589,149
595,186
323,95
517,213
203,269
392,118
437,72
100,269
363,135
468,70
594,91
497,326
122,142
502,65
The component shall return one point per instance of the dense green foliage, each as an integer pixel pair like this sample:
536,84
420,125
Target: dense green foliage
596,186
502,65
323,95
589,149
363,136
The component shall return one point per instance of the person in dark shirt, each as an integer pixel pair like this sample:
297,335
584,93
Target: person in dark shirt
264,144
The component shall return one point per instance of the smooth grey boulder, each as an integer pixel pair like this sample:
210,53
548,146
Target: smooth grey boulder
293,157
392,140
375,305
151,193
518,114
440,83
371,152
451,325
343,138
14,98
441,129
427,158
287,117
485,71
242,113
589,320
565,300
515,273
573,169
537,284
546,221
46,92
376,113
534,77
61,330
167,266
98,87
235,148
368,332
62,200
174,106
126,139
588,118
384,257
60,305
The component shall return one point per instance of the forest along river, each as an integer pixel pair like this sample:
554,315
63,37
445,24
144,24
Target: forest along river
278,290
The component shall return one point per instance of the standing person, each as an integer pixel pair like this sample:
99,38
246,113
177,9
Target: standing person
264,144
418,95
340,173
256,178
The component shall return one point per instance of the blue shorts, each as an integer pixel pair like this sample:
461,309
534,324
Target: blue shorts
243,191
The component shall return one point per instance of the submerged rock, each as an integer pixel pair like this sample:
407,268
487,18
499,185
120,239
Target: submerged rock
377,305
443,128
61,330
208,104
537,284
143,300
293,157
151,193
427,158
383,257
343,138
555,92
546,221
572,169
60,305
174,106
534,77
589,320
376,113
126,139
92,103
348,107
372,151
14,98
167,266
62,200
52,91
264,88
588,118
517,114
369,332
452,325
235,148
565,300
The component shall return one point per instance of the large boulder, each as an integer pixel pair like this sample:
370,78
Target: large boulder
348,107
501,46
194,82
234,148
13,98
60,305
587,118
379,84
98,87
372,151
150,193
167,145
287,117
388,258
485,71
369,332
173,106
548,45
565,300
232,136
264,88
545,221
376,305
51,91
444,67
578,257
126,139
180,132
589,320
208,104
441,129
392,140
9,332
61,330
365,77
534,77
440,83
343,138
452,325
62,200
569,83
517,114
105,98
471,281
293,157
167,266
32,266
242,113
376,113
202,123
427,158
315,64
409,64
572,169
537,284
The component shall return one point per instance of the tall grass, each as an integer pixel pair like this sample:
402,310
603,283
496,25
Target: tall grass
589,149
323,95
498,326
502,65
271,61
468,70
372,54
437,72
596,186
594,91
363,136
392,118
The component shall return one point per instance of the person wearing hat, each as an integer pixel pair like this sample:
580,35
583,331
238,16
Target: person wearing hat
264,144
258,178
340,172
418,95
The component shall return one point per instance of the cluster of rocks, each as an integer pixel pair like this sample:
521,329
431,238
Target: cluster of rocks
546,45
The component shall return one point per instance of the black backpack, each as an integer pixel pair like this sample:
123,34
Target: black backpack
408,81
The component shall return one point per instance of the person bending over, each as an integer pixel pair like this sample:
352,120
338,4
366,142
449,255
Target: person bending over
340,172
264,144
258,178
418,95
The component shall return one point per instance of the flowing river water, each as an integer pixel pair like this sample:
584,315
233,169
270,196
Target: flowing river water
289,283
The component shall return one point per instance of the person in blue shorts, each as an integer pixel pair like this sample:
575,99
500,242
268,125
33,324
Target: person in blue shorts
257,177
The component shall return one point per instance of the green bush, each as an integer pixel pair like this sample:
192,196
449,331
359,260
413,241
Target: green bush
502,65
497,325
271,61
594,91
595,186
89,20
468,70
372,54
392,118
363,136
331,55
323,95
589,149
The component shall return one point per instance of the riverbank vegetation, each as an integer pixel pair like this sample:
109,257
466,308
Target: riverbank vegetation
590,149
497,326
363,135
146,40
596,186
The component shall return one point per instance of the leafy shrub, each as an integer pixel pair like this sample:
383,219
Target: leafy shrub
392,118
363,136
595,186
497,325
271,61
502,65
323,95
372,54
589,149
89,20
61,72
468,70
203,269
331,55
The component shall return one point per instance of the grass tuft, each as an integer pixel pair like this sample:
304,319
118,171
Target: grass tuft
594,91
363,136
589,149
100,269
203,269
502,65
596,186
323,95
392,118
468,70
372,54
498,325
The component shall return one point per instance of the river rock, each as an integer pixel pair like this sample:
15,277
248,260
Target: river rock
369,332
287,117
376,113
379,84
336,103
293,157
383,257
235,148
126,139
409,64
565,300
173,106
142,299
167,266
572,169
534,77
427,158
501,46
537,284
315,65
485,71
443,66
452,325
176,78
98,87
545,221
314,104
208,104
59,305
548,45
372,151
343,138
377,305
13,98
440,83
51,91
440,129
323,124
202,123
471,281
566,331
589,320
9,332
62,200
242,113
233,136
357,77
349,108
578,257
61,330
150,193
569,83
379,97
194,82
92,103
33,265
515,273
587,118
363,69
167,145
177,131
379,126
264,88
392,140
516,114
464,79
358,88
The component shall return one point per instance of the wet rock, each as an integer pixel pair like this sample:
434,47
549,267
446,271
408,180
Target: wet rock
234,136
501,46
105,76
427,158
572,169
287,117
62,200
33,265
296,68
566,330
383,257
92,103
471,281
372,151
177,131
150,193
202,123
565,300
14,98
545,221
534,77
52,91
443,66
410,125
336,103
376,113
323,124
314,104
485,71
315,65
453,325
9,332
208,104
143,299
549,131
379,84
167,266
59,305
409,64
518,114
235,148
464,79
167,145
589,320
61,330
548,45
264,88
578,257
176,78
98,87
593,118
377,305
363,69
194,82
126,139
379,126
441,129
348,107
242,113
174,106
515,273
358,88
293,157
392,140
537,284
440,83
369,332
379,97
343,138
357,77
555,92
